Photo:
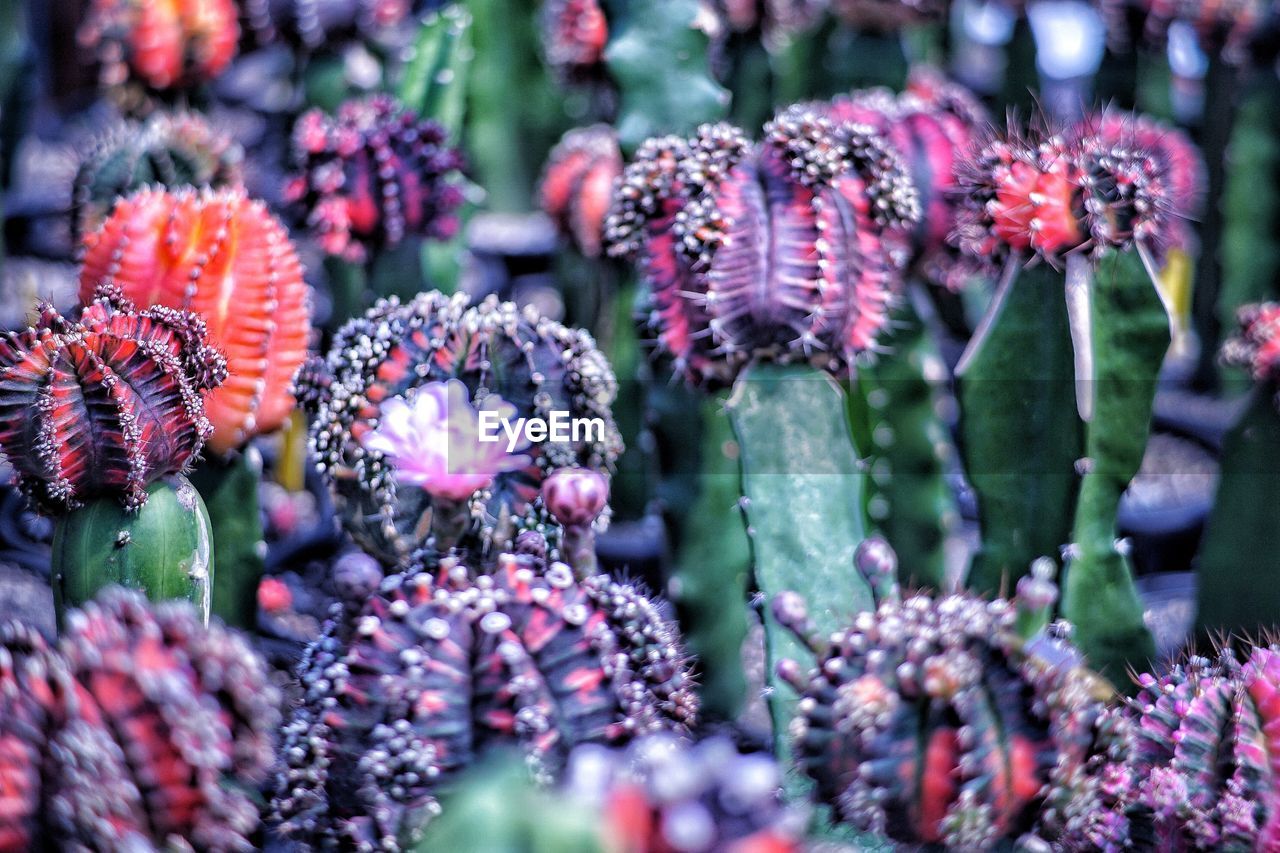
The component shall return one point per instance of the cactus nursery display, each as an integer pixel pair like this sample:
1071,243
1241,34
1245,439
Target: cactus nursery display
639,426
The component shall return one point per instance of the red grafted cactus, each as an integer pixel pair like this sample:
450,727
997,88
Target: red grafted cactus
577,185
132,733
373,174
106,404
783,249
1202,753
418,678
395,419
931,125
225,257
163,44
931,721
574,35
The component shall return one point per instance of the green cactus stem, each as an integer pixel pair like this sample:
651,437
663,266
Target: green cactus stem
164,549
910,449
434,82
1019,434
1238,592
229,487
802,488
713,566
1130,337
657,56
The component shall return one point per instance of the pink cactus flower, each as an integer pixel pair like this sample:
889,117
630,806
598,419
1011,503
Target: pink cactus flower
433,440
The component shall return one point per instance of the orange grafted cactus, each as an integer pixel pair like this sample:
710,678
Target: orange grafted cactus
163,44
221,255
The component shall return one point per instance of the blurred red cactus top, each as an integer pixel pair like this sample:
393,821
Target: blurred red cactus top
1256,347
786,249
931,125
577,184
107,404
373,174
164,44
221,255
1110,182
140,730
574,35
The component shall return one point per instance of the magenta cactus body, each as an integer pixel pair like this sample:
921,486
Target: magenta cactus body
416,680
777,250
106,404
373,174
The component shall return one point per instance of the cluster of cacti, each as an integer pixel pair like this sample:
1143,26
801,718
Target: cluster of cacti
663,793
419,676
139,730
829,201
932,720
170,150
406,377
315,24
577,185
162,44
372,175
1193,756
102,416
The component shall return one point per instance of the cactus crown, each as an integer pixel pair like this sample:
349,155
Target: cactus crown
418,678
162,44
106,404
779,250
931,721
488,355
225,257
126,734
373,174
170,150
577,184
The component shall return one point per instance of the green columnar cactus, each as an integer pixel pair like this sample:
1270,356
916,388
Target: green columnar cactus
100,416
434,81
1019,438
1131,335
229,487
910,451
1237,591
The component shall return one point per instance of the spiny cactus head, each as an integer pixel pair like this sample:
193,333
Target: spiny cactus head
574,35
142,727
664,793
169,150
929,721
443,664
373,174
105,404
577,185
221,255
831,203
396,413
1201,758
1256,345
162,44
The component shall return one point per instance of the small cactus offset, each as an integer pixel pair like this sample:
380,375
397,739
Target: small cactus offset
161,44
372,175
828,200
577,185
421,374
419,677
170,150
136,731
931,721
1197,755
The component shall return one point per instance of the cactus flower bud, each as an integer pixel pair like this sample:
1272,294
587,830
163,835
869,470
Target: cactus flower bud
575,497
